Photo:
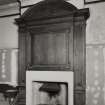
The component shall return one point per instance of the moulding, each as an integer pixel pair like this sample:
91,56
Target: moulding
9,9
28,2
92,2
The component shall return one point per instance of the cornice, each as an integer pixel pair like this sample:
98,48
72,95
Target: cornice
14,8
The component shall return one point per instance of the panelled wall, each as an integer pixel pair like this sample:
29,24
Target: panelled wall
95,67
95,61
8,69
8,66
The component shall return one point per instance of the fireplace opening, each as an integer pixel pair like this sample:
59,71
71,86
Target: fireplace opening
49,88
49,93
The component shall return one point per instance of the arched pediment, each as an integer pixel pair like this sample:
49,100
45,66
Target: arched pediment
48,8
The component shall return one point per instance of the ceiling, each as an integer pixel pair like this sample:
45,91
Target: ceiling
3,2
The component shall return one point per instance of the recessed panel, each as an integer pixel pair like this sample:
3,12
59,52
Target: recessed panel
50,48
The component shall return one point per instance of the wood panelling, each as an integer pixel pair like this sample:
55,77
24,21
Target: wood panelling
22,56
54,40
79,54
50,48
80,98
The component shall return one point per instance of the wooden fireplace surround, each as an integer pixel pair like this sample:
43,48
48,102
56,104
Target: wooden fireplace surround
52,37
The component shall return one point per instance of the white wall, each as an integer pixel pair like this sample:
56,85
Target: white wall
96,23
95,61
8,33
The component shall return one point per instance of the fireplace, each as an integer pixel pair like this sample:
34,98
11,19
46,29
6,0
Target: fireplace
49,88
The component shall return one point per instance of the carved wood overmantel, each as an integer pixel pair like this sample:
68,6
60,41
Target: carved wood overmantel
52,37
